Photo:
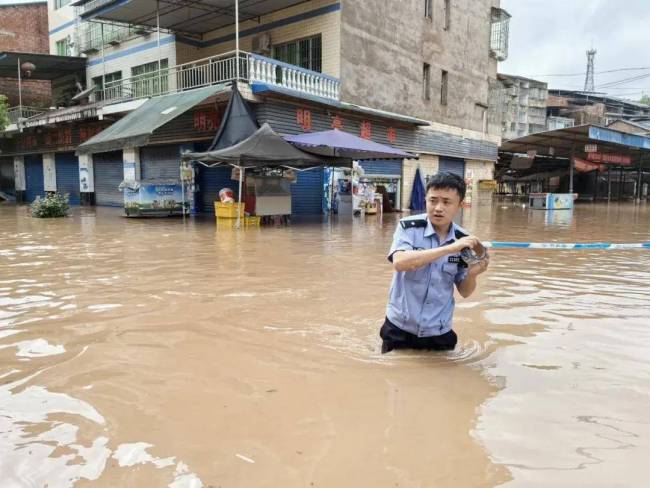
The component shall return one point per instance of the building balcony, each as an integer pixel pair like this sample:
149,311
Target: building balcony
16,114
253,69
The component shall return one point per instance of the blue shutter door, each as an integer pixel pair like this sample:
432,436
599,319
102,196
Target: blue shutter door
109,173
307,193
160,162
452,165
34,180
382,167
67,176
211,181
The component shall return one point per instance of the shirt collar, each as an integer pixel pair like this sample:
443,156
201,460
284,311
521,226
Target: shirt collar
430,231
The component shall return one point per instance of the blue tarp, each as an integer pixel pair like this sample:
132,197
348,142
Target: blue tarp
417,195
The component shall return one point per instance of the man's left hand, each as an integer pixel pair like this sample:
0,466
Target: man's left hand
480,267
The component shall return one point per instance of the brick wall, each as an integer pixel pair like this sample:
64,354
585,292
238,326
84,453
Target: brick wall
25,29
28,23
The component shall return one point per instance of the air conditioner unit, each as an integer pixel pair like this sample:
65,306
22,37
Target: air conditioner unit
262,44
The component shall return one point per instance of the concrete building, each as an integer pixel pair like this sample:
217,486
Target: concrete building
415,77
592,108
519,105
23,28
638,125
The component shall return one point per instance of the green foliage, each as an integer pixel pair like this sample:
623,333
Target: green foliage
4,107
53,205
645,99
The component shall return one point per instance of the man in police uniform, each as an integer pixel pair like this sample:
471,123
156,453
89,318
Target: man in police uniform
426,256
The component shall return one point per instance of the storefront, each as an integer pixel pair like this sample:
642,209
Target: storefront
108,169
67,176
34,178
7,178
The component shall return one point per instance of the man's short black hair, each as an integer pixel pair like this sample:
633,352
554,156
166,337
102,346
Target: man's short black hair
445,180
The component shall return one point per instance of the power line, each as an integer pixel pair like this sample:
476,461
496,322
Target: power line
598,72
623,81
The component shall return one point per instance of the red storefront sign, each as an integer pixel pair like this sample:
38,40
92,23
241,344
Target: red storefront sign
207,120
303,117
621,159
86,133
391,134
337,122
583,166
366,129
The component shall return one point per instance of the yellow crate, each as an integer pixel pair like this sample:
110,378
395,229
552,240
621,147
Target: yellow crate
252,221
228,210
228,223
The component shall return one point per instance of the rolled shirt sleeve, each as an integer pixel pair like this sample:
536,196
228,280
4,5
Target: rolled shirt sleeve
402,241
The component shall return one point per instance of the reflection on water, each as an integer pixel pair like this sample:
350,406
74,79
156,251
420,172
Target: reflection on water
163,353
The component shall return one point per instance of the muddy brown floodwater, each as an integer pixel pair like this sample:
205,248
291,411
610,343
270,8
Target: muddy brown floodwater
161,353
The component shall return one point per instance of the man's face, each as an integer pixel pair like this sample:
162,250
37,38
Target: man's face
442,205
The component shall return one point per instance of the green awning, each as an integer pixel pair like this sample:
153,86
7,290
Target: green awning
136,128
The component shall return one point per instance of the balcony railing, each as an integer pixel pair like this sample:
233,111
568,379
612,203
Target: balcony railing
19,113
220,69
92,5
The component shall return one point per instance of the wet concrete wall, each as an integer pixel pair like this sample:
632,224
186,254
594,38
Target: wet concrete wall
385,44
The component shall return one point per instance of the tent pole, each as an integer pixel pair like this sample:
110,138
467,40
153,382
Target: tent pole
182,192
236,40
241,181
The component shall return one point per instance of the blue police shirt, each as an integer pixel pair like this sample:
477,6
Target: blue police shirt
422,301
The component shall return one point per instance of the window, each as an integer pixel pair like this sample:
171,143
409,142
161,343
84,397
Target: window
306,53
428,9
113,86
62,47
500,20
447,15
426,81
146,81
60,3
444,85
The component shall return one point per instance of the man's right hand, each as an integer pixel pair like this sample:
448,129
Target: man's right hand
460,244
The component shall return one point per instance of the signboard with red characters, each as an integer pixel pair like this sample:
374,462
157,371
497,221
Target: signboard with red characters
621,159
206,120
303,117
366,130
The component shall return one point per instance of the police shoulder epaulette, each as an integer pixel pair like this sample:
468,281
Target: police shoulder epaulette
460,234
413,223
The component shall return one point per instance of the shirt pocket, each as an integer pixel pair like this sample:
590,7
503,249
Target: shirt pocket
419,275
449,271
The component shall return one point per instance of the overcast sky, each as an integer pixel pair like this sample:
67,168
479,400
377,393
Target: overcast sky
551,37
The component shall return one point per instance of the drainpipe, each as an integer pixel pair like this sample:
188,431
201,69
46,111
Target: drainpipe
103,63
20,95
571,169
158,42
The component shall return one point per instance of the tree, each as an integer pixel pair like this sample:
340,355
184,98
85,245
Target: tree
645,99
4,107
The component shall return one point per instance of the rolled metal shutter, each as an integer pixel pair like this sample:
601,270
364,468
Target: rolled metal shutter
67,176
452,165
7,180
34,179
160,162
307,193
382,167
109,173
211,180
